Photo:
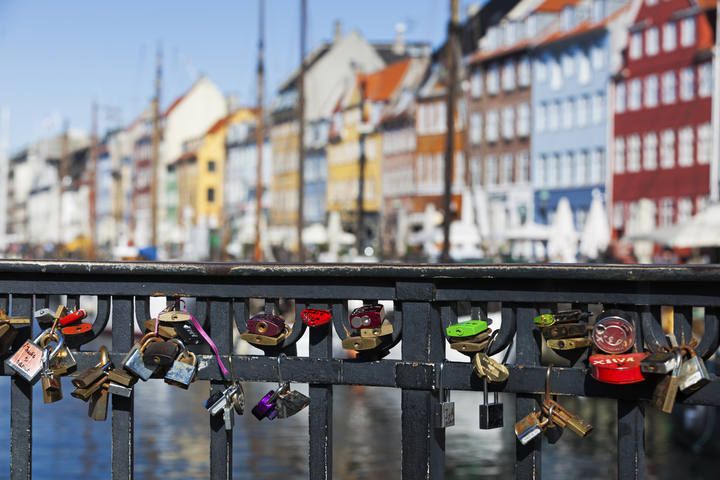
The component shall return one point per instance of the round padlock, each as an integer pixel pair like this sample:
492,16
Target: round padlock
617,369
613,333
78,334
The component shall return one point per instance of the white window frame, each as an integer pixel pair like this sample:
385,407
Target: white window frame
492,126
686,139
635,49
524,72
666,212
633,154
476,84
635,94
669,87
652,41
508,123
704,143
650,151
705,79
619,165
508,76
523,120
476,128
667,149
582,110
492,80
687,31
620,97
687,84
669,34
651,91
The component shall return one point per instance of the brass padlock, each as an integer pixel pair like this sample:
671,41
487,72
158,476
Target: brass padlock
8,334
469,347
172,316
163,353
164,331
51,385
98,406
91,375
264,340
361,343
385,329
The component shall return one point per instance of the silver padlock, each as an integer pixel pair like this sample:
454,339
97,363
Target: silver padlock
183,370
133,361
27,361
445,414
120,390
693,373
44,315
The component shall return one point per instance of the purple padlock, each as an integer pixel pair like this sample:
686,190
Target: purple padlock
265,408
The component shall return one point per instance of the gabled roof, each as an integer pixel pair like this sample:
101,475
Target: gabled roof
382,84
555,6
586,26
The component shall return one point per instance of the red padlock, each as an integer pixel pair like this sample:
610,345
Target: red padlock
617,369
314,317
72,317
76,335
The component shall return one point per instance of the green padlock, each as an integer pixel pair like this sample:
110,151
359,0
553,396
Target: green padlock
469,328
544,320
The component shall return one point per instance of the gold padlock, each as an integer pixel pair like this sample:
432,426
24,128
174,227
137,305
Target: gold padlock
164,331
264,340
386,328
469,347
361,343
171,316
480,337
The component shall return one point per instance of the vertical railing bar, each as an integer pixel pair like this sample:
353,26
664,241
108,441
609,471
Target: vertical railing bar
221,441
630,440
320,425
528,458
123,422
20,402
423,445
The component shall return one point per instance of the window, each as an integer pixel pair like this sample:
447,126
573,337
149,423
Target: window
475,170
541,174
633,153
619,155
652,41
687,32
669,37
687,84
491,127
568,65
668,87
553,116
476,85
618,214
635,92
620,94
492,80
475,128
508,123
650,151
705,144
210,195
567,112
552,170
667,150
211,165
597,167
566,169
523,123
685,206
635,45
583,67
524,72
685,147
555,75
522,175
492,170
705,80
583,105
598,57
666,212
651,91
598,106
507,169
508,76
540,118
580,169
540,70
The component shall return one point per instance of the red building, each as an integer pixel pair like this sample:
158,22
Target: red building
663,107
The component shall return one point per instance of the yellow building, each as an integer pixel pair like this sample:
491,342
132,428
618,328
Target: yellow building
374,91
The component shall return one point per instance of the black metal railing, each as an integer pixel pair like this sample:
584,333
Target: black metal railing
426,298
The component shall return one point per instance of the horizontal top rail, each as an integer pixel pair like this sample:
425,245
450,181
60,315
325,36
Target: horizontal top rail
605,272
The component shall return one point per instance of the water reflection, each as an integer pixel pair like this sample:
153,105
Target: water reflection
172,432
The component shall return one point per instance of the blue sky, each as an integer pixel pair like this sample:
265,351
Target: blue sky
56,56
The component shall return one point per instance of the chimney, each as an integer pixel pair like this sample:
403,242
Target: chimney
337,34
399,45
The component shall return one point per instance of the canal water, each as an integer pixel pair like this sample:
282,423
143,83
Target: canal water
172,439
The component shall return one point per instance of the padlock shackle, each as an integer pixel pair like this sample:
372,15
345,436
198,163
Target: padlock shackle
104,357
56,335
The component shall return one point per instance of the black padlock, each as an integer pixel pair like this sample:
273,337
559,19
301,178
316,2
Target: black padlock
162,354
491,414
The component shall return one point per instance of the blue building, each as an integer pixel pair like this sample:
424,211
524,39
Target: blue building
572,67
316,139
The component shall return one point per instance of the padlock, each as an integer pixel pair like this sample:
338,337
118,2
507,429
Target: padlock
98,406
91,375
290,402
617,369
469,347
469,328
264,340
120,390
183,370
51,385
445,409
613,333
45,317
229,401
666,390
563,316
265,408
488,368
531,426
72,317
693,373
164,331
479,338
85,394
78,334
659,362
361,343
8,334
27,361
315,317
565,330
565,419
491,414
266,324
163,353
385,329
367,316
121,377
568,343
133,361
174,316
64,362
